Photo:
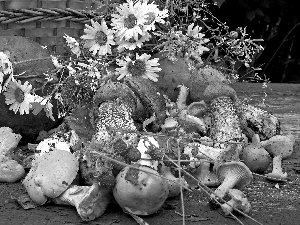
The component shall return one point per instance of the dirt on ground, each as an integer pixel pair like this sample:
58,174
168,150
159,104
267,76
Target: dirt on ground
272,203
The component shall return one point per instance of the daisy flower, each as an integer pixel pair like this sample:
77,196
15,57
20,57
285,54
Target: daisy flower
142,66
18,96
153,15
98,38
73,45
129,21
132,44
5,67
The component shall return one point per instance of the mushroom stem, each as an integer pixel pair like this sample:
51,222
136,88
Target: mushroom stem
90,201
277,169
181,99
228,183
174,183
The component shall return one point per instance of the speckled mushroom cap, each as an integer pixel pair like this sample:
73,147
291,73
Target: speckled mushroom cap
113,90
235,169
218,89
50,175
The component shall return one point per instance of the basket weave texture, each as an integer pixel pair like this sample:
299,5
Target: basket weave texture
45,21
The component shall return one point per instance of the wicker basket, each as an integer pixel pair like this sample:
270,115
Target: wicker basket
45,21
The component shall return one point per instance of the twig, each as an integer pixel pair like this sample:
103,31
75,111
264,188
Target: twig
180,180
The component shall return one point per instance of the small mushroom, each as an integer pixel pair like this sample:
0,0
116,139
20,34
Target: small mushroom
238,201
279,147
197,109
255,156
280,144
205,176
90,201
10,170
173,182
231,174
50,175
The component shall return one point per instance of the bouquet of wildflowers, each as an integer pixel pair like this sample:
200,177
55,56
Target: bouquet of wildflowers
122,44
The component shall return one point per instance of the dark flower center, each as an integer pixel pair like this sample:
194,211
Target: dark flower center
150,18
19,95
130,21
101,38
137,68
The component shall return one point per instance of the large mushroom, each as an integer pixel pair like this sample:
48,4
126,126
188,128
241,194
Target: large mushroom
231,174
225,125
238,201
140,192
279,147
50,175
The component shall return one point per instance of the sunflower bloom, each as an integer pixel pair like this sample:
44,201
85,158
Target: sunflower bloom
129,21
142,66
18,96
98,38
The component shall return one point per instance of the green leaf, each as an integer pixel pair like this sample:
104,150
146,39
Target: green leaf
37,107
80,122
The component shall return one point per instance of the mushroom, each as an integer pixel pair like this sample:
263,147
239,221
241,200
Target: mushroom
187,121
231,174
238,201
50,175
256,158
279,147
90,201
10,170
197,109
173,182
140,192
225,126
257,120
205,176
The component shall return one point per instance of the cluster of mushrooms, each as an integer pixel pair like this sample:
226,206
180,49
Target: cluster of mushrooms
133,143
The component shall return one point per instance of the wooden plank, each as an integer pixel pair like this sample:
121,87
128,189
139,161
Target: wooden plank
282,100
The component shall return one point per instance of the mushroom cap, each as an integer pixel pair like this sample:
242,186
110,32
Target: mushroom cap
218,89
235,169
255,157
113,90
11,171
197,109
140,193
280,144
205,176
50,175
